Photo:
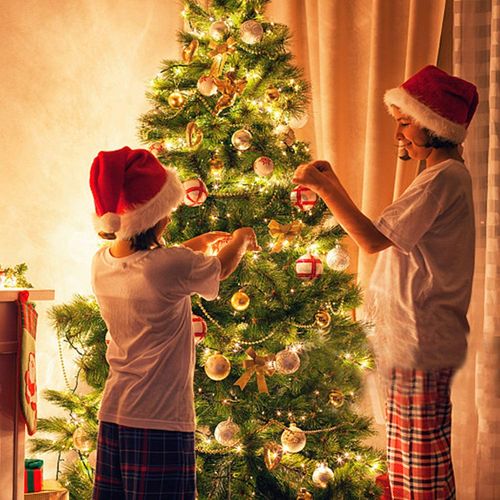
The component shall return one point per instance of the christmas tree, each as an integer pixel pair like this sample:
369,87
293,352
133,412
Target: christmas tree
279,355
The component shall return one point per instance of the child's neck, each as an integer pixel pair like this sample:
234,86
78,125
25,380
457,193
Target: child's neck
121,248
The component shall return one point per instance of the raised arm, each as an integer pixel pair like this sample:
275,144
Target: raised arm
242,240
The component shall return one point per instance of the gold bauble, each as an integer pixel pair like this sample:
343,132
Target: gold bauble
273,452
323,318
176,100
272,93
336,398
217,367
81,440
287,362
293,439
218,30
322,475
241,139
92,458
226,433
304,495
240,301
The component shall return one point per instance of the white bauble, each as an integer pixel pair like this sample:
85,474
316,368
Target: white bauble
195,192
251,32
218,30
322,475
226,433
293,439
308,267
206,86
299,121
338,259
263,166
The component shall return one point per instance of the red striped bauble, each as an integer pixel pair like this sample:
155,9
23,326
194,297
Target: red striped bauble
303,198
199,328
308,267
195,192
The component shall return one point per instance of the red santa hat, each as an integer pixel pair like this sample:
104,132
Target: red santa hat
132,191
437,101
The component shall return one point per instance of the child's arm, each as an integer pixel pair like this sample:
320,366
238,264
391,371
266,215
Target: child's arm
320,178
202,242
242,240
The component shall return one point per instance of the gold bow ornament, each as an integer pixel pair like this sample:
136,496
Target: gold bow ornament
284,232
229,87
189,51
219,54
194,135
260,365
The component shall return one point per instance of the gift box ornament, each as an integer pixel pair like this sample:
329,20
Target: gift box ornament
33,475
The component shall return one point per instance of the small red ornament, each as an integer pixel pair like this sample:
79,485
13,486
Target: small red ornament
195,192
303,198
157,148
199,328
308,267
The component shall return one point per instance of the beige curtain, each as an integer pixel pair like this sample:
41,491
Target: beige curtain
476,396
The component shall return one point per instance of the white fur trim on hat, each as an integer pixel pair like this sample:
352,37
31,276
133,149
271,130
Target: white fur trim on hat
424,116
144,216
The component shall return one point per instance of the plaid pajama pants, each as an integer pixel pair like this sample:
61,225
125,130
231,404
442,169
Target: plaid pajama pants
137,464
419,435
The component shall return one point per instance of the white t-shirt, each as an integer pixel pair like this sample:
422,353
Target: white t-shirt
420,289
145,300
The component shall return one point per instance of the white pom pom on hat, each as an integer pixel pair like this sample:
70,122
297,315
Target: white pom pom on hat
132,191
437,101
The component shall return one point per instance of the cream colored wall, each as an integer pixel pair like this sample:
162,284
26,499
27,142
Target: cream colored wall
73,78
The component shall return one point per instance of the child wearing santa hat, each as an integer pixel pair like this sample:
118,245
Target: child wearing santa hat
421,285
147,422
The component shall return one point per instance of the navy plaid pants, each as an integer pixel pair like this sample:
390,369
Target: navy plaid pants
136,464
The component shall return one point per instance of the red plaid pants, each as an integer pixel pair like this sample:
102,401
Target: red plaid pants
419,435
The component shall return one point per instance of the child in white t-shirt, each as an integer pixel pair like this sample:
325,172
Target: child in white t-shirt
420,289
146,431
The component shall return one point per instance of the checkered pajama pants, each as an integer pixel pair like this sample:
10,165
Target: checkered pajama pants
419,435
137,464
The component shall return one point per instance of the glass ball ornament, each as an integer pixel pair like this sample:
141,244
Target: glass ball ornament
226,433
338,259
206,86
217,367
176,100
322,475
241,139
263,166
81,440
293,439
298,121
199,328
195,192
287,362
336,398
323,319
251,32
92,458
308,267
273,453
240,301
303,198
218,30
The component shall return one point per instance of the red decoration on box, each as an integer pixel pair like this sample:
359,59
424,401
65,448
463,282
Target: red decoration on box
308,267
33,475
303,198
383,482
199,327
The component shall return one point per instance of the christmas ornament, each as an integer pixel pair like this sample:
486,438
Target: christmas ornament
298,121
81,440
194,135
293,439
206,85
92,458
199,328
303,198
157,148
226,433
284,232
260,365
107,339
189,51
216,167
195,192
336,398
287,362
217,367
218,30
322,475
240,301
176,100
263,166
288,137
304,495
230,87
219,54
273,452
323,318
308,267
241,139
338,259
251,32
272,93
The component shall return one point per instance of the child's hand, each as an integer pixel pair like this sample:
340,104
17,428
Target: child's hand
313,175
215,241
247,234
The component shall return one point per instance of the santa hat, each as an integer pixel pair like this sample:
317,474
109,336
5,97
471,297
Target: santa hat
437,101
132,191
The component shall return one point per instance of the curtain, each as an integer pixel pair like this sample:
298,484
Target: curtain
477,388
